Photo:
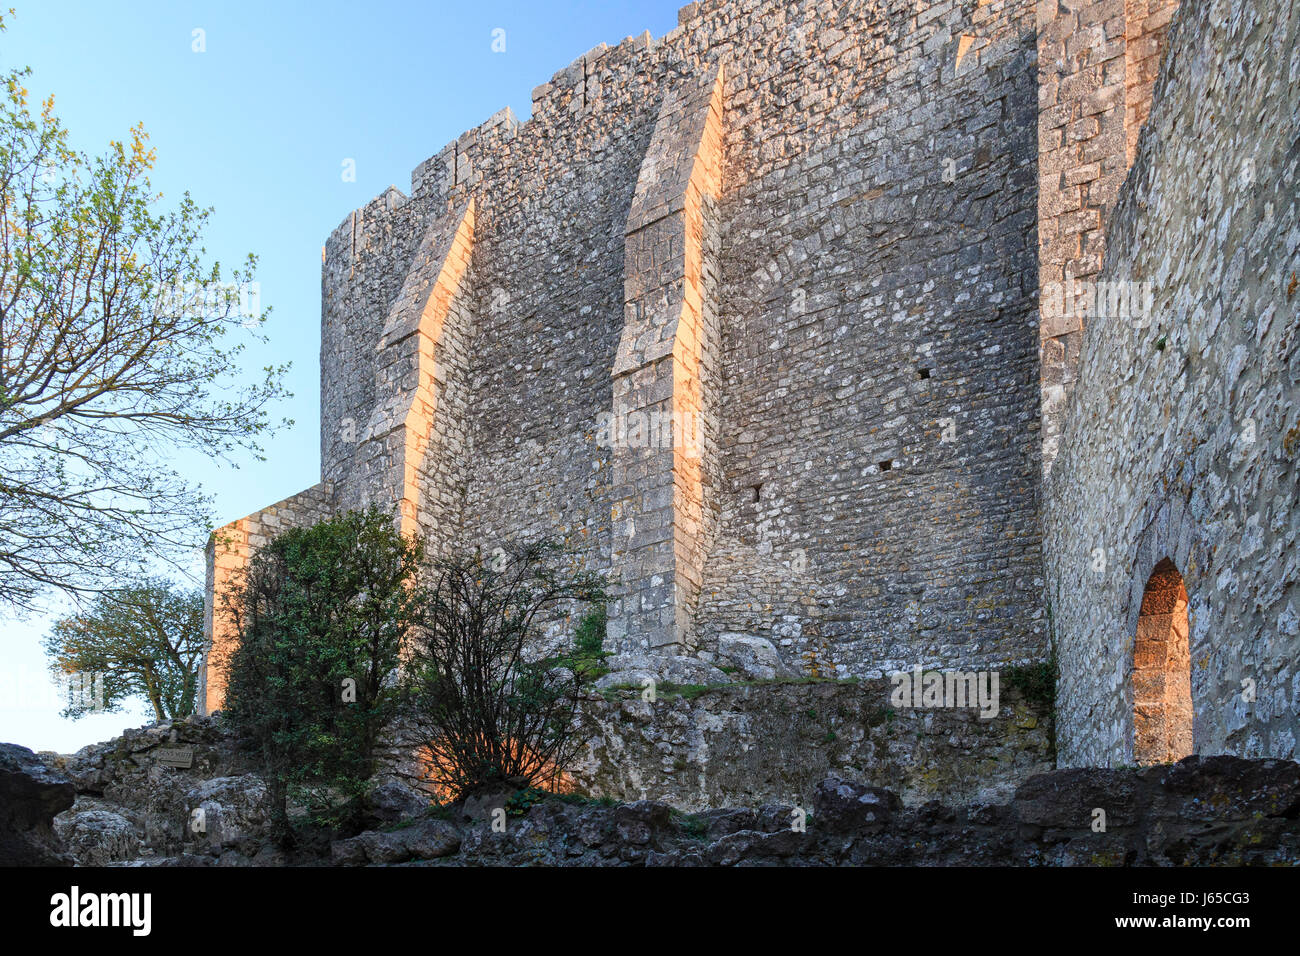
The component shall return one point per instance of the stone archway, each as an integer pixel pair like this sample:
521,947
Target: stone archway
1162,675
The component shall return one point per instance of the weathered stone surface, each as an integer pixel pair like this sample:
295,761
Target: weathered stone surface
423,840
124,779
1201,811
480,805
633,670
235,811
756,657
1155,816
394,800
843,805
1097,65
96,835
1183,432
750,744
30,796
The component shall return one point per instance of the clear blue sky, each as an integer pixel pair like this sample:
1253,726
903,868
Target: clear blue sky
258,127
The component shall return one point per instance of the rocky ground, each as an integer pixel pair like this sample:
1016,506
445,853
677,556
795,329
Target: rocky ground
122,803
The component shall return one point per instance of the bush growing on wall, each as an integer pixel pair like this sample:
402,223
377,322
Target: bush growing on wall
488,714
322,614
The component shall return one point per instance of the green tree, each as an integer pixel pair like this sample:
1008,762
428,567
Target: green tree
322,615
141,641
115,351
489,708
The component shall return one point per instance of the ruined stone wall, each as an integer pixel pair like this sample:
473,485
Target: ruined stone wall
1183,431
747,745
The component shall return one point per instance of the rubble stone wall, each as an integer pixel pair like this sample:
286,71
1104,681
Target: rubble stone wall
1183,432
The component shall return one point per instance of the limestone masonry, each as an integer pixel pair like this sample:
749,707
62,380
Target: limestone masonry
848,337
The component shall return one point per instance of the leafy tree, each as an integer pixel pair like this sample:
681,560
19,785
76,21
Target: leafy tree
322,614
487,712
140,641
114,353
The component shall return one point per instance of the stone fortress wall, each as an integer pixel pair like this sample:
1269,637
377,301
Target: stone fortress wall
1180,452
758,316
745,314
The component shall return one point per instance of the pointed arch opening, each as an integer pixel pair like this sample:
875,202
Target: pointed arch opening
1162,671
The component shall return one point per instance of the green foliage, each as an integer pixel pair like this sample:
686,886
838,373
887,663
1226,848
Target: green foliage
1036,681
589,636
524,800
144,640
587,659
322,616
882,715
119,343
695,826
488,713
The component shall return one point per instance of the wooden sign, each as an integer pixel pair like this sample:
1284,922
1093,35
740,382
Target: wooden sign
175,757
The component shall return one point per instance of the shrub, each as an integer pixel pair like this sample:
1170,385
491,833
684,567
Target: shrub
488,714
587,659
322,614
1036,681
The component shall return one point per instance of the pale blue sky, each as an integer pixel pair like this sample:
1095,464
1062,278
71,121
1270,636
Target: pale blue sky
258,126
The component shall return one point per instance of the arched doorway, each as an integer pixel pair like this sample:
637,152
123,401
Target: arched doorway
1162,671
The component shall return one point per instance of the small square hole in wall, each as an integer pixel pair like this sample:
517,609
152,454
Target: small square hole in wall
758,491
887,464
923,373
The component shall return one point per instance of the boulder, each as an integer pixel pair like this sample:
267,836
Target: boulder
632,670
756,657
97,833
31,794
422,840
236,812
844,806
393,801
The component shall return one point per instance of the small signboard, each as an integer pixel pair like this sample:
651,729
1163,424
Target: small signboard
175,757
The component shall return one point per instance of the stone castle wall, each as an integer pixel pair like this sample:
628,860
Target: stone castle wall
228,553
1097,65
747,744
779,319
746,315
1183,430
